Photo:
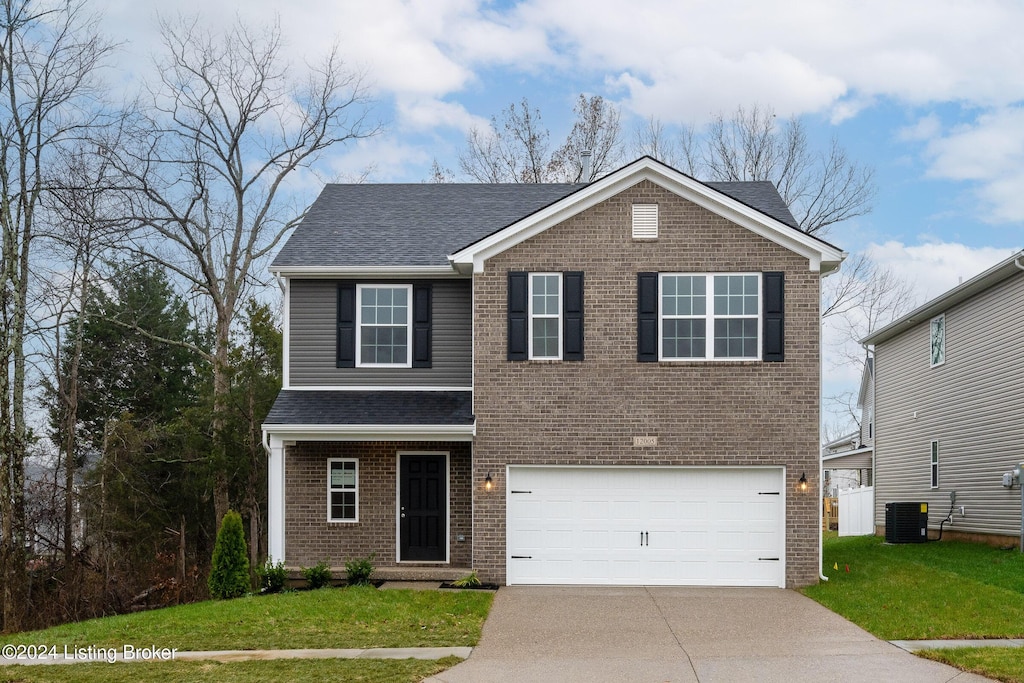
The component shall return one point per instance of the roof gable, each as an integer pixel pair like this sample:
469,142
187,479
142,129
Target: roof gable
821,255
962,292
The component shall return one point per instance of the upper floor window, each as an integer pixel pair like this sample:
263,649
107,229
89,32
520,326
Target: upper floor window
545,316
384,325
710,316
937,338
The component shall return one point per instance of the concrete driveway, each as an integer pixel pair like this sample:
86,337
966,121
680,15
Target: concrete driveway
555,634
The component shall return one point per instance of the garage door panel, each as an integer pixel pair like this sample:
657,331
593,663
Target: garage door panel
703,526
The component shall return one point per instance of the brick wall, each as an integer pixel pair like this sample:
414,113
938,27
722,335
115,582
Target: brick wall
311,538
705,413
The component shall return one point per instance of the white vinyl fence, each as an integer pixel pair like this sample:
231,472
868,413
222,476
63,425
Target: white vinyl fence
857,511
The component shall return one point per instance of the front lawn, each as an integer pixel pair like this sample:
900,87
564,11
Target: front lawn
354,670
930,591
356,617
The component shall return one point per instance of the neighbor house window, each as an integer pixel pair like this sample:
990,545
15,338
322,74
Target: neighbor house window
545,316
384,325
342,490
938,340
710,316
935,464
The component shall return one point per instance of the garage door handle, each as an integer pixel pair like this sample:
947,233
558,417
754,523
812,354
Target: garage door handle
769,559
521,492
644,538
767,493
522,557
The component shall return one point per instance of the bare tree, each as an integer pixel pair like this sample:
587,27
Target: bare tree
439,173
225,127
515,148
49,56
821,187
651,138
597,130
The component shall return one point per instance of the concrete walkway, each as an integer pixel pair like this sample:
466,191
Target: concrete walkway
686,635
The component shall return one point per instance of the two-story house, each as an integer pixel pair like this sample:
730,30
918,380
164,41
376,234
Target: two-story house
611,383
949,408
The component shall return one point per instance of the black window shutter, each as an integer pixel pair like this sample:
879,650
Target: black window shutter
773,312
518,293
421,325
346,325
647,317
572,316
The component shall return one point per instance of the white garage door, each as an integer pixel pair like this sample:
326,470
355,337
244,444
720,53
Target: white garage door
646,526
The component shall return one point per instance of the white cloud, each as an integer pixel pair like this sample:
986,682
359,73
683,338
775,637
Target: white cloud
935,267
428,113
924,129
990,153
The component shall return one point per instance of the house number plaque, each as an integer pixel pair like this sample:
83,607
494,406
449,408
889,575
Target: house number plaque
645,441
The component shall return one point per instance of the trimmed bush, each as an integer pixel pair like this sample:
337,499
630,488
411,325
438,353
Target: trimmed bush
358,571
271,576
229,574
318,576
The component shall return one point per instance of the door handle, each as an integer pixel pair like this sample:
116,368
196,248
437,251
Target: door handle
647,538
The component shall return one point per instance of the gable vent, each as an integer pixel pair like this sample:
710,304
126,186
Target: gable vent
645,221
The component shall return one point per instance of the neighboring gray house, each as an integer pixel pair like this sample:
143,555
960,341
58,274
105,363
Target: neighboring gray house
949,406
612,383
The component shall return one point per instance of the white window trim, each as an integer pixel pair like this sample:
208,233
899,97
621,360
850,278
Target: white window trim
931,323
359,326
933,465
710,317
331,490
547,316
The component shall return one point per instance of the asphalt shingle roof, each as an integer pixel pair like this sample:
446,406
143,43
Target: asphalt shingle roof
372,408
421,224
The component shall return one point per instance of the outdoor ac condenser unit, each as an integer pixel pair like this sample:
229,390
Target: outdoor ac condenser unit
906,522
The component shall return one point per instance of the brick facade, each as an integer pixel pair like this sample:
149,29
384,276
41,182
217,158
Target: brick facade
587,413
311,538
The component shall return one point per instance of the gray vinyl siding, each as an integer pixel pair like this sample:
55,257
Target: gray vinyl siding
867,416
971,405
312,331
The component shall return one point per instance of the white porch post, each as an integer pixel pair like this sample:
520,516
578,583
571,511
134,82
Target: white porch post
275,499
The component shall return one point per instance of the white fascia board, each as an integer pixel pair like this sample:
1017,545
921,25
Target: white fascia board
822,257
845,454
365,272
298,432
943,302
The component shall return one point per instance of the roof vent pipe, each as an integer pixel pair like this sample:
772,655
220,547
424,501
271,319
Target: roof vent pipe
585,165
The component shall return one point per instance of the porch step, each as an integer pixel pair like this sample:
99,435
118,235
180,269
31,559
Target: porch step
399,573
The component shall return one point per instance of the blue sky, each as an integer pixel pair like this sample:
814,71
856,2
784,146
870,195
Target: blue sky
928,92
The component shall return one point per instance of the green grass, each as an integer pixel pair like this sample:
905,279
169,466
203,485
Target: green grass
931,591
355,617
1000,663
924,591
352,670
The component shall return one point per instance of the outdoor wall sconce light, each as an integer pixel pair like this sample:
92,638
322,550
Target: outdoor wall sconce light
803,481
488,482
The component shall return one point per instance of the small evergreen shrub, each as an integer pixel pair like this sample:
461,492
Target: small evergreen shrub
271,576
317,576
229,573
470,580
358,571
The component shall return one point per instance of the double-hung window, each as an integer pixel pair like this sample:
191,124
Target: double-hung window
935,465
709,316
384,325
545,316
342,490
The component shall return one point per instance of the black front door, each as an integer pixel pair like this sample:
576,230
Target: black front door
423,503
